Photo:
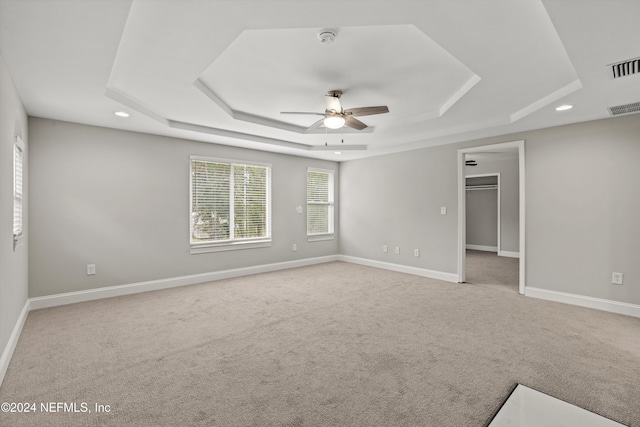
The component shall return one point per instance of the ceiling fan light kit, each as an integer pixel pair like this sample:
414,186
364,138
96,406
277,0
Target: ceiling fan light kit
334,121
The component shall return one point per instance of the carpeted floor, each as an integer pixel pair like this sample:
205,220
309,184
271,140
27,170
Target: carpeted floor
489,269
334,344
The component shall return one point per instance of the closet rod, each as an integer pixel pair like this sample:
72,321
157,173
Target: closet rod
481,187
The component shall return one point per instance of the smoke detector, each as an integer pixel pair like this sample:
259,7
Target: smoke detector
327,36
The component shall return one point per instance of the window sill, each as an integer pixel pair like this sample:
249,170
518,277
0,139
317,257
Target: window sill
223,247
319,237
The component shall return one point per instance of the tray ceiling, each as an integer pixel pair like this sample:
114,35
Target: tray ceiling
222,71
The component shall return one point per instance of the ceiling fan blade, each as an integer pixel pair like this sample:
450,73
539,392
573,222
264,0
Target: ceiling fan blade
354,123
333,103
316,124
367,111
301,112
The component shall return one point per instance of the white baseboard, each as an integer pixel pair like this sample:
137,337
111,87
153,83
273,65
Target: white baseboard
173,282
113,291
133,288
584,301
509,254
13,341
433,274
482,248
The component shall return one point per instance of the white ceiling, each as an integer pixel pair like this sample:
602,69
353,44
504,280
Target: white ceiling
222,71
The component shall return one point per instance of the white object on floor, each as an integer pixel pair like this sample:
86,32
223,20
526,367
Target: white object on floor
526,407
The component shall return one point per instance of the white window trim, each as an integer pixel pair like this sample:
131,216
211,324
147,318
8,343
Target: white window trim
203,248
18,147
319,237
231,244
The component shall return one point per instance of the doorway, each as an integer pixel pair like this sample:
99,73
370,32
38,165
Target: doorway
483,212
517,147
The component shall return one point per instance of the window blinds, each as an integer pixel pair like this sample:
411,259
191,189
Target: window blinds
18,159
229,201
250,201
319,202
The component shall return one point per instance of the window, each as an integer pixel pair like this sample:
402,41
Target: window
230,204
319,203
18,160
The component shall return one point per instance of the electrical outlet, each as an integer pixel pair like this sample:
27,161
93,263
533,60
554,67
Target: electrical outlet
295,247
385,249
416,252
91,269
443,210
616,278
398,250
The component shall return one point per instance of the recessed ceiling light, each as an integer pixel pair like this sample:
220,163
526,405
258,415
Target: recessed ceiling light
564,107
121,114
337,152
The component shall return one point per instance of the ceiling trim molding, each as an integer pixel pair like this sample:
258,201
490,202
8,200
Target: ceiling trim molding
236,135
435,114
124,99
213,96
459,93
543,102
262,139
241,115
129,101
265,121
338,147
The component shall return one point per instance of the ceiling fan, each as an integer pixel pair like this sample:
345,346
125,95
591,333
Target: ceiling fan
336,117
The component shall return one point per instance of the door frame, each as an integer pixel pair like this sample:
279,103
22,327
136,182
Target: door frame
462,215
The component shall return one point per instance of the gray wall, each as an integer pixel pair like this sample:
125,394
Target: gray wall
482,217
509,197
395,200
583,208
120,200
13,265
582,202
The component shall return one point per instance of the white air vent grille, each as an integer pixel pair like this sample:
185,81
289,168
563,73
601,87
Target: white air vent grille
625,68
625,109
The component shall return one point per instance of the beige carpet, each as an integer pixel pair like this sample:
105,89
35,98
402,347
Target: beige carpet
336,344
487,268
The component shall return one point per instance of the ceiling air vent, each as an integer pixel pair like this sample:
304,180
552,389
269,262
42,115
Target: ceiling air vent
625,68
625,109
